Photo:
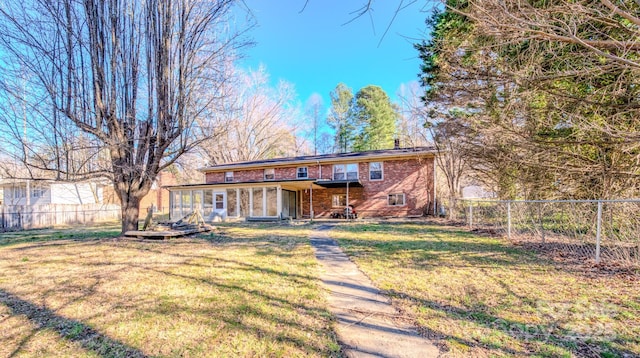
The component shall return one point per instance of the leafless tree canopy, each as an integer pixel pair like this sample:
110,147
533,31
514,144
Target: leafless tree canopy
110,88
253,119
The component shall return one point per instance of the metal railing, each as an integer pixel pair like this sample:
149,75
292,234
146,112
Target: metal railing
586,229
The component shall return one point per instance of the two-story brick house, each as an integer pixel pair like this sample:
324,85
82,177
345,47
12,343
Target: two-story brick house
394,182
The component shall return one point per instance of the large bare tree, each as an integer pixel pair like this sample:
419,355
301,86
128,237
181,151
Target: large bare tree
259,121
111,83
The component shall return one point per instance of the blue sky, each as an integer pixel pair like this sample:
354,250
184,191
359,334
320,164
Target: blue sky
315,49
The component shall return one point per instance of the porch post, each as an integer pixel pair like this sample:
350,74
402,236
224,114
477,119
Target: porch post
347,201
311,201
27,199
237,202
279,201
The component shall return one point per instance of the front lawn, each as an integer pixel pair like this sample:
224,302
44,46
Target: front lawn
483,297
241,291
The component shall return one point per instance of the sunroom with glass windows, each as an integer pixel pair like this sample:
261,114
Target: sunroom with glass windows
271,200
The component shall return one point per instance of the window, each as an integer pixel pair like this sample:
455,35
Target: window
339,200
396,200
345,171
37,192
375,171
19,192
219,201
269,174
302,173
228,177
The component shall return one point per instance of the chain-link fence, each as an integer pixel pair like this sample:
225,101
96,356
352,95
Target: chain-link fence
585,229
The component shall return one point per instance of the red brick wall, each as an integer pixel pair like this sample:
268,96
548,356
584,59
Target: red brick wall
413,178
158,197
286,173
322,200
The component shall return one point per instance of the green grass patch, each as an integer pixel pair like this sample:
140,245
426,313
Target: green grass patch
238,291
485,297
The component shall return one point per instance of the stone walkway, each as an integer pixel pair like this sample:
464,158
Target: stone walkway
365,325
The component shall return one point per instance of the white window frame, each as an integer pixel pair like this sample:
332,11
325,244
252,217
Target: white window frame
336,199
306,173
397,195
381,171
228,177
38,192
270,174
19,192
346,171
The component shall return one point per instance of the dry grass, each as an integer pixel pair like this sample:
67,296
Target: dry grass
242,291
483,297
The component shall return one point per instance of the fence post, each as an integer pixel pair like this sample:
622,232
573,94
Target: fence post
598,231
470,215
540,221
509,219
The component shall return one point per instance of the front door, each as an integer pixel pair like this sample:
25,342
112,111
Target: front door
219,205
289,204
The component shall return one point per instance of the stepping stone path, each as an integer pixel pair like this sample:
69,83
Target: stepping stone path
365,324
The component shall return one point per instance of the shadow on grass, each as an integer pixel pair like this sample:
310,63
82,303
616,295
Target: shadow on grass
427,248
551,335
49,236
432,245
72,330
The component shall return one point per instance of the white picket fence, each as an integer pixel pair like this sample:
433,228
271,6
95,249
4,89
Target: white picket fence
20,217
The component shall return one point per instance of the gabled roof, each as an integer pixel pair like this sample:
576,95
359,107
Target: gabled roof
324,158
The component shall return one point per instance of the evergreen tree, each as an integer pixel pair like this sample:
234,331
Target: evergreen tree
341,117
376,119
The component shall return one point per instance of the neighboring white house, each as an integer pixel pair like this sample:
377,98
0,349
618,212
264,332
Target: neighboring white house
39,192
477,192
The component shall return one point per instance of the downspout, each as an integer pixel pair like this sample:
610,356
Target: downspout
435,207
346,209
311,201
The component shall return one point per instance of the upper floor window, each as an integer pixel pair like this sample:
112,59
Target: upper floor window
345,171
302,173
269,174
375,171
228,177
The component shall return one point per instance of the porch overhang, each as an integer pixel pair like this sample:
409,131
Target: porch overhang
352,183
294,184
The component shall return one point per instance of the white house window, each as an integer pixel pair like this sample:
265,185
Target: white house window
19,192
345,171
37,192
375,171
396,199
228,177
269,174
302,173
339,200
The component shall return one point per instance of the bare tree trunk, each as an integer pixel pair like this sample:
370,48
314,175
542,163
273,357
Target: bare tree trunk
130,211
